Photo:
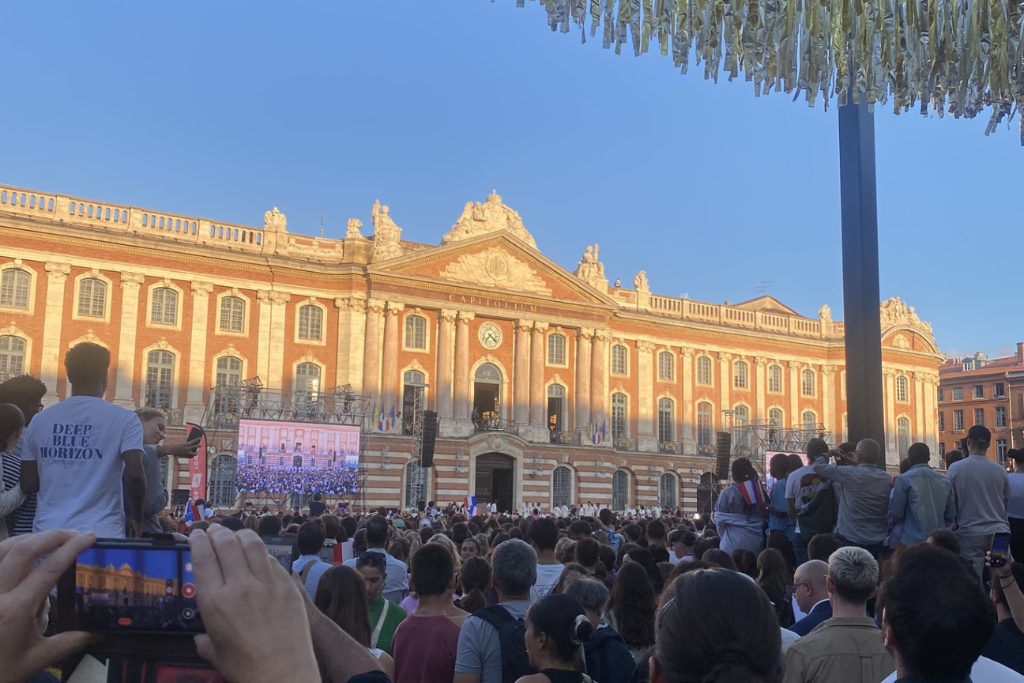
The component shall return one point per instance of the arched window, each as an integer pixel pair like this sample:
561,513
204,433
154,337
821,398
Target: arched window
807,383
232,314
902,389
164,306
556,349
229,371
311,320
92,298
666,412
619,363
739,374
556,409
620,490
704,370
776,418
159,379
666,366
903,436
668,487
14,288
307,377
561,487
222,481
620,424
415,332
12,357
810,421
775,378
414,474
414,377
705,425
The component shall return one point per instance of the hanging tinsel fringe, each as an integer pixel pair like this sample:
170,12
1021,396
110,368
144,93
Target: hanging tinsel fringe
959,56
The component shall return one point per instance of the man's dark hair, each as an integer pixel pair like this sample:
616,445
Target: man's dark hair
233,523
848,447
821,547
588,551
606,516
87,363
632,532
945,539
23,391
460,532
720,558
350,524
318,497
659,553
376,532
269,526
816,447
580,528
311,538
938,615
432,569
543,533
656,530
918,454
953,456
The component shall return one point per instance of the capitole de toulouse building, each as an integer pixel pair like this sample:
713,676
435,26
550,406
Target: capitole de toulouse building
527,364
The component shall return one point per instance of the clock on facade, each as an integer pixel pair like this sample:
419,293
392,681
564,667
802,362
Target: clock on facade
490,336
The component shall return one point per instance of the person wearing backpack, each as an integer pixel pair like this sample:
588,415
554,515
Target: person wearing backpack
309,566
492,644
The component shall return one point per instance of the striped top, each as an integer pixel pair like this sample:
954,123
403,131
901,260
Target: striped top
20,521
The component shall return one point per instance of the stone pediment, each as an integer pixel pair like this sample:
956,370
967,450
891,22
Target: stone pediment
496,261
766,304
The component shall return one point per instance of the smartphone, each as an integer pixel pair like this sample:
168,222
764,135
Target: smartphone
195,433
283,549
1000,549
138,586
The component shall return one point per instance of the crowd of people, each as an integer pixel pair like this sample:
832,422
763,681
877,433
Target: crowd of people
333,481
838,572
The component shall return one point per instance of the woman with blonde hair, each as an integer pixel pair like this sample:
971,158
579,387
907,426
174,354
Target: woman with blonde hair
450,545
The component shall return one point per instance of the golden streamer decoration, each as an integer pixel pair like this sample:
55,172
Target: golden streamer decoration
955,56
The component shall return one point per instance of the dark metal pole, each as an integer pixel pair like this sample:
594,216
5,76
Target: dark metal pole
861,298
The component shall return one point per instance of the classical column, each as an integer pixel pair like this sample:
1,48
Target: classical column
892,455
931,383
828,398
761,395
686,433
57,276
584,341
194,406
538,402
130,284
445,350
725,380
463,397
392,342
371,352
599,382
645,412
917,433
795,387
351,332
263,338
278,321
521,373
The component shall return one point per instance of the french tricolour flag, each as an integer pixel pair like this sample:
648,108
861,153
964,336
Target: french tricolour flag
470,502
752,493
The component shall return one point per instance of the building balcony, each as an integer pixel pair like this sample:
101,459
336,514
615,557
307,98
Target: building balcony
495,424
624,443
670,447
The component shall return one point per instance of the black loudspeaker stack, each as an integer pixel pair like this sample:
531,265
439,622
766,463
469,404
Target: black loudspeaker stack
429,436
722,449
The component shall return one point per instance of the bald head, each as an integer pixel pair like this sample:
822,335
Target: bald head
809,583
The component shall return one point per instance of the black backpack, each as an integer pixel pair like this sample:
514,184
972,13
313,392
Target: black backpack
515,663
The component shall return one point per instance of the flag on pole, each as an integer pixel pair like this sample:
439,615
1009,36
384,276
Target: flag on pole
393,420
604,434
189,517
752,493
470,502
380,419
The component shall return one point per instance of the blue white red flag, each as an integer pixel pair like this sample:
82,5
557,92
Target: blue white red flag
752,492
470,502
189,517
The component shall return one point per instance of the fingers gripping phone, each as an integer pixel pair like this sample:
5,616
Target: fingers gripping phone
1000,550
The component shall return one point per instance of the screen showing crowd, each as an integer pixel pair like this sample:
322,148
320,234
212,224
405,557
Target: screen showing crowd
297,457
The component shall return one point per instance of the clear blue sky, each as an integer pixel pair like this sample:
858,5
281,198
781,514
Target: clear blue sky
225,109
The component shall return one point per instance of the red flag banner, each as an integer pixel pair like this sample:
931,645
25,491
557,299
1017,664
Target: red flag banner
197,466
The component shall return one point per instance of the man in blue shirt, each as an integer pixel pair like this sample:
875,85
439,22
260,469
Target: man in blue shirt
309,566
922,499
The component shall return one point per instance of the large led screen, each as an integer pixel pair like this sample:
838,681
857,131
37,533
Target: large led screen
297,457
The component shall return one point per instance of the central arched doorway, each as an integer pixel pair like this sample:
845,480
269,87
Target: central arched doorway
495,480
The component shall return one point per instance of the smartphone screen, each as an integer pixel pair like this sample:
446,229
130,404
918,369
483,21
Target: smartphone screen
124,587
282,549
1001,543
194,433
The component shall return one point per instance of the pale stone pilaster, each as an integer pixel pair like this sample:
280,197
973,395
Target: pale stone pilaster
599,383
57,276
538,397
647,440
828,400
687,435
463,386
130,284
917,431
931,433
351,331
278,320
194,406
795,389
725,380
372,352
445,358
392,340
760,388
521,373
583,346
892,455
263,338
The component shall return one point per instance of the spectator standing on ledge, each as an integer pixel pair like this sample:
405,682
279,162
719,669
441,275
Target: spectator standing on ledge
922,499
801,487
75,453
982,491
154,426
740,514
27,393
863,487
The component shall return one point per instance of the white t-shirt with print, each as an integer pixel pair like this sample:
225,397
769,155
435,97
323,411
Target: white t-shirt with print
547,579
77,446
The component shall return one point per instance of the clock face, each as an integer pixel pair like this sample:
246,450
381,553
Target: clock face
490,336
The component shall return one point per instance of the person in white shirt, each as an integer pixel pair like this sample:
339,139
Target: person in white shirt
75,453
543,536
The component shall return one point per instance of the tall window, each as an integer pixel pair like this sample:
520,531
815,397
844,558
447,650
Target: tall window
307,377
979,416
667,487
810,421
999,391
958,420
1001,451
556,349
705,425
620,490
222,481
159,379
902,389
229,371
14,286
232,314
739,374
740,424
619,354
620,425
704,370
903,436
775,378
666,365
942,395
958,393
666,411
415,332
12,357
414,377
92,298
979,391
942,450
164,307
311,320
561,487
807,383
1000,416
942,421
776,418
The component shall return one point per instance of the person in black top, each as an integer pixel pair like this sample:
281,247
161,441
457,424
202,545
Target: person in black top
556,626
1006,645
316,506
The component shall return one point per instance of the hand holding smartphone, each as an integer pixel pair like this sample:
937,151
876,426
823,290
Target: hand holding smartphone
1000,553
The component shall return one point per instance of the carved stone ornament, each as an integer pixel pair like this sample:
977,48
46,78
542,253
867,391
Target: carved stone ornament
387,236
275,220
900,342
825,313
894,312
495,442
58,271
485,218
353,229
640,282
449,315
309,358
591,270
495,268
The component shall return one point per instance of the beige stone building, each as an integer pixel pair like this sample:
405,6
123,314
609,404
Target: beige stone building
527,363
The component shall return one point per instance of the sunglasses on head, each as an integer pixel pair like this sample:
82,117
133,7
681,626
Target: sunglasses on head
372,559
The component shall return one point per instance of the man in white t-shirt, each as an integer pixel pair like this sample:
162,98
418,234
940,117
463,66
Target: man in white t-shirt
543,536
801,487
75,453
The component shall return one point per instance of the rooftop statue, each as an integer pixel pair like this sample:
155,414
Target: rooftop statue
387,236
482,218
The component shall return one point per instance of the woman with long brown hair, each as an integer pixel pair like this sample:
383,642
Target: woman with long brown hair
341,596
631,608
